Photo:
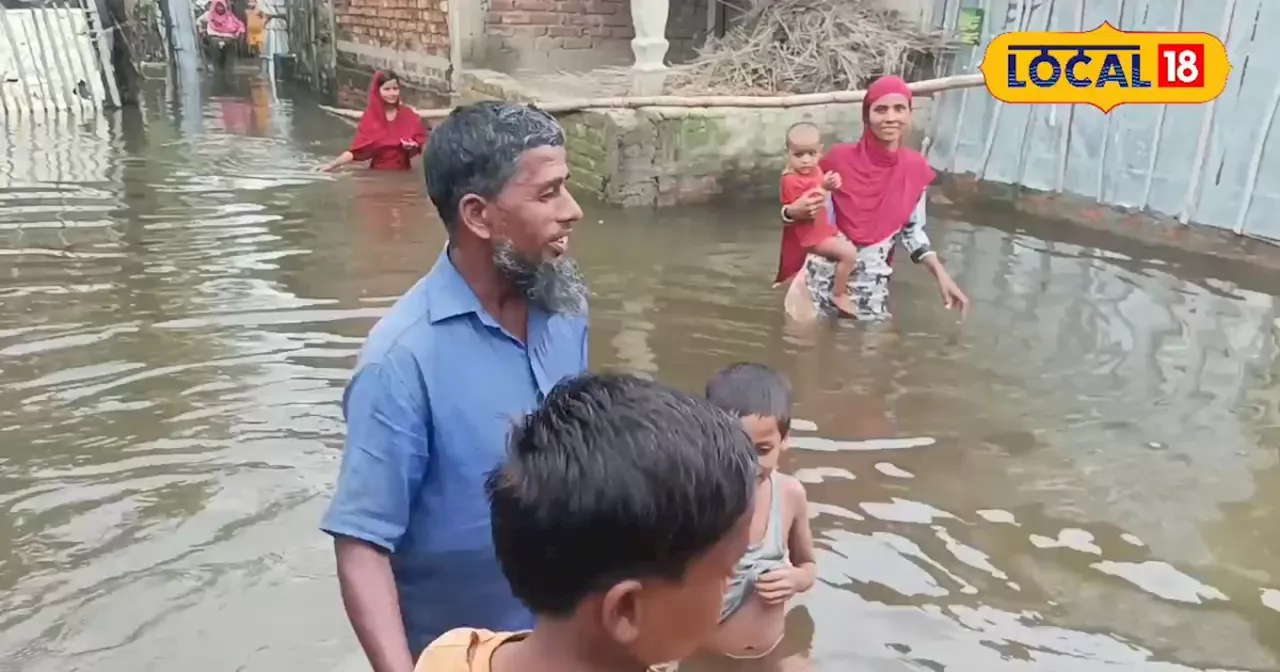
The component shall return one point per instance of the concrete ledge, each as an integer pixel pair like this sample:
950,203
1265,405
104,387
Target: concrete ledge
659,156
424,71
1083,221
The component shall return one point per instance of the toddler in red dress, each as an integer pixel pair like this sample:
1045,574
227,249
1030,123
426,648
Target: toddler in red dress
816,234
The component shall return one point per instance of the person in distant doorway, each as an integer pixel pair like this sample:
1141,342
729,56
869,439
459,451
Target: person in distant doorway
813,235
879,204
473,346
390,133
220,22
256,22
221,30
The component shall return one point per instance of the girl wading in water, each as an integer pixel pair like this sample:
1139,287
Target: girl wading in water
389,134
879,204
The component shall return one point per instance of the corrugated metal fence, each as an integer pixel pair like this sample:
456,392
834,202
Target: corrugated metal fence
1215,164
53,58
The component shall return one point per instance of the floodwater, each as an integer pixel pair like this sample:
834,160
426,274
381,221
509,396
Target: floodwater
1082,476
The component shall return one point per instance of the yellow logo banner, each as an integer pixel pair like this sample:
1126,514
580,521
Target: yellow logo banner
1105,68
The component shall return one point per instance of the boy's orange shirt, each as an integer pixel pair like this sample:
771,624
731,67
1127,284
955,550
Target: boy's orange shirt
468,650
464,650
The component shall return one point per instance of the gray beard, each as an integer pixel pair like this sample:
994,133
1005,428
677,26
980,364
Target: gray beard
555,285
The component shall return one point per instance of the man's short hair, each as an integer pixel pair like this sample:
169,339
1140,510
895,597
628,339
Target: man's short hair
476,149
614,478
746,389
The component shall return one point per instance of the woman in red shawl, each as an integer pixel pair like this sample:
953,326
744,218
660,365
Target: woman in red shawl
880,203
389,134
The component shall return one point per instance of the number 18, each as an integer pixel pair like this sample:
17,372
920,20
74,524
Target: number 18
1182,65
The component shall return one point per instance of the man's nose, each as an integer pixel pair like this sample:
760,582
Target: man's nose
571,212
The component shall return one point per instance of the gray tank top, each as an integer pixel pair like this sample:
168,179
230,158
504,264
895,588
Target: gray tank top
761,558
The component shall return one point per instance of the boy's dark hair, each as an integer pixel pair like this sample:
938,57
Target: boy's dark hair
614,477
752,389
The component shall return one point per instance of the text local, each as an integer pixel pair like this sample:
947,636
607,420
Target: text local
1113,71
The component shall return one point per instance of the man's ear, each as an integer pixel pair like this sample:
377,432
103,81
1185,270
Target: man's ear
620,612
473,214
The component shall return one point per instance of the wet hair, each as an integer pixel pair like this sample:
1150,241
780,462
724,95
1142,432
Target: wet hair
746,389
799,125
614,477
476,149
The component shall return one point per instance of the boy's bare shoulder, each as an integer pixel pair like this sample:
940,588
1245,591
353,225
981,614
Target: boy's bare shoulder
794,491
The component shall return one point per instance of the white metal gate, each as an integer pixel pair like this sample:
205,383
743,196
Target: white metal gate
53,58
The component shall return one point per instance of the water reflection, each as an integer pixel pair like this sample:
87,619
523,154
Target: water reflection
1081,477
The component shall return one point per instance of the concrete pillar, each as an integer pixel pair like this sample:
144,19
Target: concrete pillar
650,45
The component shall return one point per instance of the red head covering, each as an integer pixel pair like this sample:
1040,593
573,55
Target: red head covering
375,131
879,186
222,21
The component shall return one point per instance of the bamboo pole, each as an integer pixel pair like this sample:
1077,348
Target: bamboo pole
1206,126
926,86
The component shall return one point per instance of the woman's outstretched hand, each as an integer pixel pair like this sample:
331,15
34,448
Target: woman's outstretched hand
952,296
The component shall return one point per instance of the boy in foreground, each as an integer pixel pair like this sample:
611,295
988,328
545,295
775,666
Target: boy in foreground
779,561
618,515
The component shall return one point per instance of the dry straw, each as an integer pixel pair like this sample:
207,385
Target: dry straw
806,46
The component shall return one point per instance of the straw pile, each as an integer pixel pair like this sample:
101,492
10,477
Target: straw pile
806,46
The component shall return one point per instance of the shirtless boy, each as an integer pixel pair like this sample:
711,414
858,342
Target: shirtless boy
779,563
620,510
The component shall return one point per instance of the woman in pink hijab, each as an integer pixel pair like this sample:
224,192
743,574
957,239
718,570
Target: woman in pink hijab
879,205
220,21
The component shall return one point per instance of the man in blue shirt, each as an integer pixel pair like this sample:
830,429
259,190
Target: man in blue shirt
473,346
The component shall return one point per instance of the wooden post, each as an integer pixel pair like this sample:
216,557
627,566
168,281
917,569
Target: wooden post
452,15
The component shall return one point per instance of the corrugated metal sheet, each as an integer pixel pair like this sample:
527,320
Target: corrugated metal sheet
52,60
1216,164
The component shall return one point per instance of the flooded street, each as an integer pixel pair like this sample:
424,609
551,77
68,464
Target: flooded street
1082,476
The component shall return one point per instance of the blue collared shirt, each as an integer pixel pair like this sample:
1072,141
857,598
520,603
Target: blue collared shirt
429,412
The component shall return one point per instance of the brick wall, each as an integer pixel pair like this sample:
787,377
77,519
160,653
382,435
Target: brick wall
579,34
402,25
408,36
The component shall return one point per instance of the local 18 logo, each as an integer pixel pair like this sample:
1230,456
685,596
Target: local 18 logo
1105,68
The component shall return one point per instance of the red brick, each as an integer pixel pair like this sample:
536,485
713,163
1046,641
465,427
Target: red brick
571,6
519,31
515,18
534,5
496,6
575,43
546,18
600,7
565,31
617,20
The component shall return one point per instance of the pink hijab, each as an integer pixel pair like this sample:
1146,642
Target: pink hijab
879,187
225,23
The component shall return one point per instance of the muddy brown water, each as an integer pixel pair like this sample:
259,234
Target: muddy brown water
1082,476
